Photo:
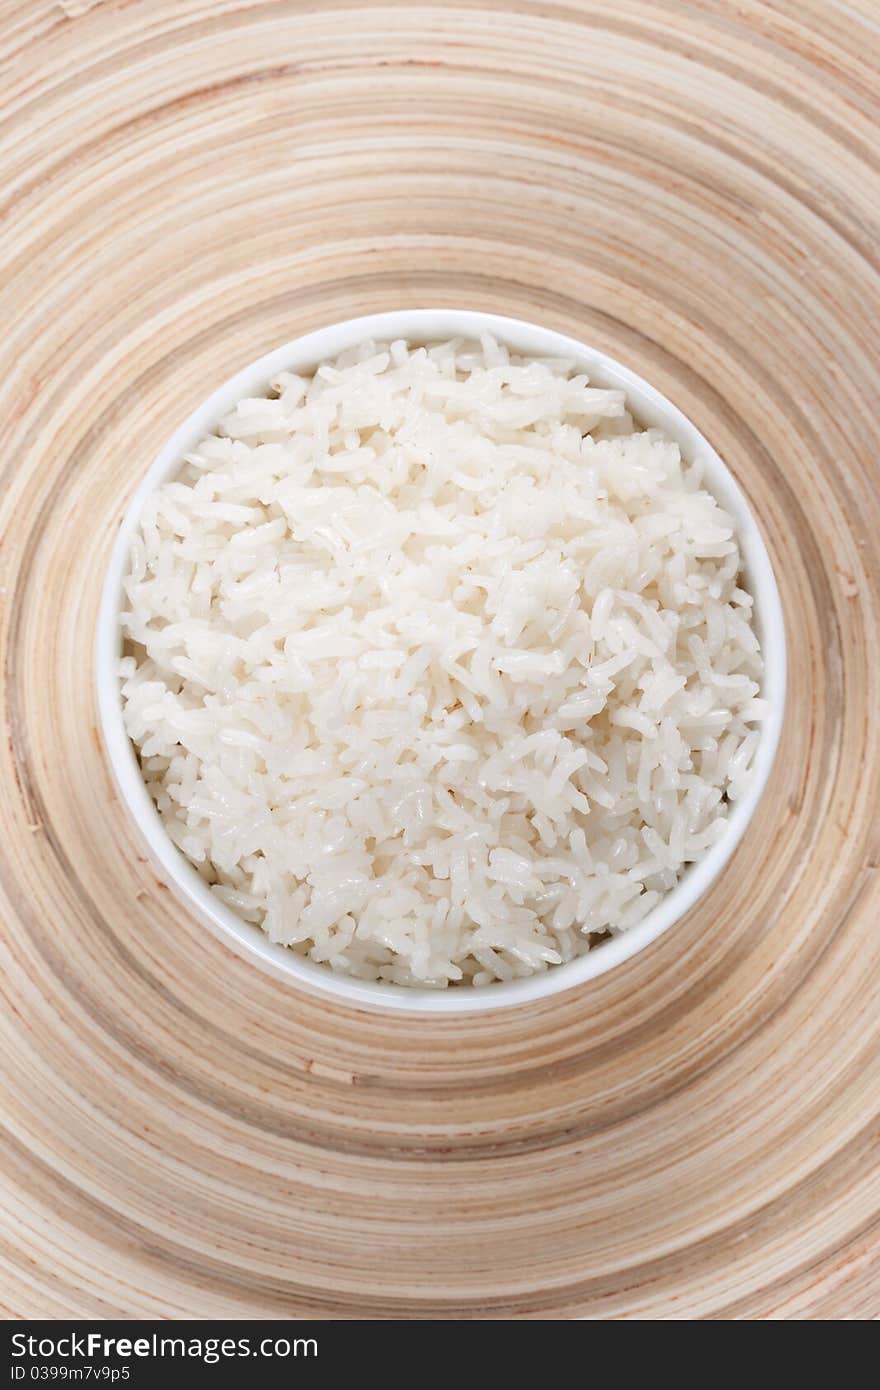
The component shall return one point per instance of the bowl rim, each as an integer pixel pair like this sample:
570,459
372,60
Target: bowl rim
651,408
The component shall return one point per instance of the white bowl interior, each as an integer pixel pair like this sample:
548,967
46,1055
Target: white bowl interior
650,408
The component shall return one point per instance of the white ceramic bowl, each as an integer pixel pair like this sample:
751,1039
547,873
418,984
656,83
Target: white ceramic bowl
650,408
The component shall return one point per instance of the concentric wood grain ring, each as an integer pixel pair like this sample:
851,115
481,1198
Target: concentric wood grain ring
694,188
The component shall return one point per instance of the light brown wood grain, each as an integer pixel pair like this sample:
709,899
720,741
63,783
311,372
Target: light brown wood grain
691,186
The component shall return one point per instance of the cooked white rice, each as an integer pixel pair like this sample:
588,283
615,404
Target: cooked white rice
440,668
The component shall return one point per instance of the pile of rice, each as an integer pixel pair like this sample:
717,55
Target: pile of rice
439,667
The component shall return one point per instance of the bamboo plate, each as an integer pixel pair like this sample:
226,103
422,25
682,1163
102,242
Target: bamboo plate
691,186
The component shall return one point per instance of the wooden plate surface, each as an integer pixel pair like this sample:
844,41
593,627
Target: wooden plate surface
692,186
